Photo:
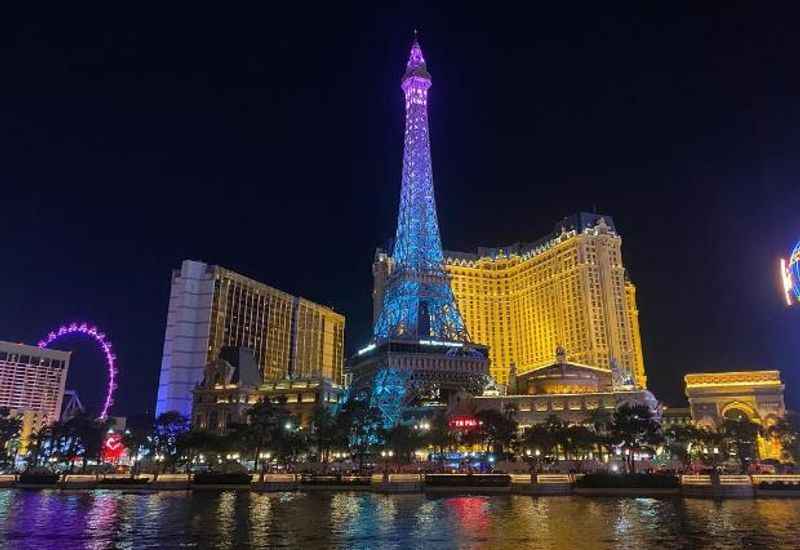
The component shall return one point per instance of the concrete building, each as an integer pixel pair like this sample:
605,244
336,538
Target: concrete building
232,384
211,307
32,379
567,289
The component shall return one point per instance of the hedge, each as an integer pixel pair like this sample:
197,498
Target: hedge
213,478
469,480
38,479
779,486
627,481
124,481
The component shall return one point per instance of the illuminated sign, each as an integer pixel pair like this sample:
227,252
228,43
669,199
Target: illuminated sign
464,423
113,449
440,343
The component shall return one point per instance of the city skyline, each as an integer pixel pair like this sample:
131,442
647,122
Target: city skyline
701,240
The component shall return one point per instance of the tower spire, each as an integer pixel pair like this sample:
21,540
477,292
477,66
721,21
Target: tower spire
418,302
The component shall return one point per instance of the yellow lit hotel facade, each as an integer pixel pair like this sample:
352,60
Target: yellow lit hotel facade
568,290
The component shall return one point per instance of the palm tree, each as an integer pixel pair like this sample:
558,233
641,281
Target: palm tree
195,442
323,432
785,430
685,443
403,441
539,443
361,425
136,438
741,436
167,428
263,428
10,427
578,441
440,436
498,429
635,430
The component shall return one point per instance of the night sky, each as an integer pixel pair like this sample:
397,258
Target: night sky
270,143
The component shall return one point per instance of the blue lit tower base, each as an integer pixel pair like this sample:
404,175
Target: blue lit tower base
397,375
421,351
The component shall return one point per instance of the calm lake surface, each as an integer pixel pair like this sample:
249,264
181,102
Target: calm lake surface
207,519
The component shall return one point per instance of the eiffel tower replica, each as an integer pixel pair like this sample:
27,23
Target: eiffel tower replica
421,351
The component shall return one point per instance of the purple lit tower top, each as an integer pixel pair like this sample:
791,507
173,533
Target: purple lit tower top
418,302
417,242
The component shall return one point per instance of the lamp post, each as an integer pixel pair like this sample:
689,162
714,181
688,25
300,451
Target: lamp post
387,455
263,457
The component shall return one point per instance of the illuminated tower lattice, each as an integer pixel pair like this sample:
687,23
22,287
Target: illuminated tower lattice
418,301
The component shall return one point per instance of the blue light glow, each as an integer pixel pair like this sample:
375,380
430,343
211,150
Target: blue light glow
418,300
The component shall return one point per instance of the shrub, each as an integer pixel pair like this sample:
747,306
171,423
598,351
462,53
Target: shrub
779,486
215,478
335,480
124,481
627,481
469,480
35,478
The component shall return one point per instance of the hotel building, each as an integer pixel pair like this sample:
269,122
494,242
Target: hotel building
568,289
211,307
32,381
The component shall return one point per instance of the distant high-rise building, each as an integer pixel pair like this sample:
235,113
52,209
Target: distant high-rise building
211,307
32,379
569,290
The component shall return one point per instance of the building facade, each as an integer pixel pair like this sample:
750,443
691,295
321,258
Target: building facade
232,383
756,396
573,392
32,379
569,289
211,307
716,396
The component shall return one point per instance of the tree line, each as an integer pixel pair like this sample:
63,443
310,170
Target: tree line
272,434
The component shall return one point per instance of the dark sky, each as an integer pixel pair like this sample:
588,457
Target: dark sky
270,143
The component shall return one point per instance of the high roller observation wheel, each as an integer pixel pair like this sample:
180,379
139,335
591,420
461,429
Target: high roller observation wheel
99,338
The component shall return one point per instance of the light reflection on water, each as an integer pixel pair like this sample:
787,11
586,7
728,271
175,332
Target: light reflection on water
226,519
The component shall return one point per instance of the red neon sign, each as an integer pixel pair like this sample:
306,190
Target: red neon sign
463,423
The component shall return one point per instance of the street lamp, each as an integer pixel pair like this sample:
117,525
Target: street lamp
386,456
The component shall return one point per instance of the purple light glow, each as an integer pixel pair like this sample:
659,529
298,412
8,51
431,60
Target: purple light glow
418,302
105,347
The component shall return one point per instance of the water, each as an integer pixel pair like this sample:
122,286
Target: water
207,519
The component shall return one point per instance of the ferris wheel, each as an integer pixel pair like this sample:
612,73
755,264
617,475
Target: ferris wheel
94,334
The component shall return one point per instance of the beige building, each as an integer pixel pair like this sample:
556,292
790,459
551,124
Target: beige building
32,379
232,384
715,396
753,395
212,307
569,289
